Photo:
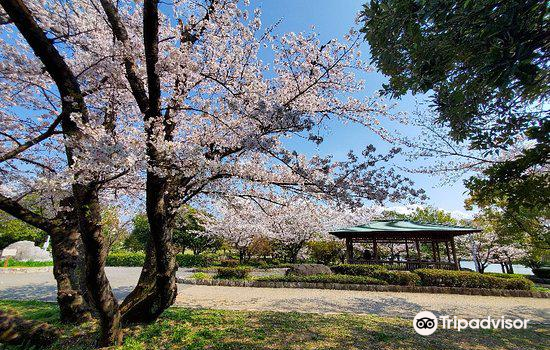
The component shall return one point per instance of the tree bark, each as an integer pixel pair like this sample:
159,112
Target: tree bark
67,259
100,292
85,194
69,273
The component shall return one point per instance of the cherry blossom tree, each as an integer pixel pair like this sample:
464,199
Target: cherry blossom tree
126,104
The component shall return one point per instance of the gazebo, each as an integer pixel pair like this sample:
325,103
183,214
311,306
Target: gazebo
410,234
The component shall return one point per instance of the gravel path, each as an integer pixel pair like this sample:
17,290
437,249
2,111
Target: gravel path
360,302
41,286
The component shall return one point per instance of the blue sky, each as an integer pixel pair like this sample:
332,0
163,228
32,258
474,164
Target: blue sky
332,19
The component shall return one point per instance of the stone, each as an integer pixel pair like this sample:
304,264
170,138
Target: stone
27,251
308,270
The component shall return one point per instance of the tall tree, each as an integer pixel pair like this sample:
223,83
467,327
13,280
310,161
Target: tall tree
485,64
126,104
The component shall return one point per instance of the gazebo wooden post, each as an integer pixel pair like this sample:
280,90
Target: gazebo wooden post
349,250
407,249
457,266
448,251
434,257
374,249
438,251
417,244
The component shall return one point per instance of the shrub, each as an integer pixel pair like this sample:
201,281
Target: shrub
324,252
356,270
189,260
126,259
229,263
201,276
451,278
401,278
542,272
344,279
233,272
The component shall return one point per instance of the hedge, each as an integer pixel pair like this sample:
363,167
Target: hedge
138,259
233,272
400,278
356,270
467,279
190,260
126,259
344,279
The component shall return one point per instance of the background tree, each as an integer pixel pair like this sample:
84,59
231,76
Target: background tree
486,63
13,230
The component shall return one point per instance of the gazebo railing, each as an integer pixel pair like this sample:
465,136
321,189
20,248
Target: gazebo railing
409,264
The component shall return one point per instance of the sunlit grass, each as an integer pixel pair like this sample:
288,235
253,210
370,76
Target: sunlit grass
189,329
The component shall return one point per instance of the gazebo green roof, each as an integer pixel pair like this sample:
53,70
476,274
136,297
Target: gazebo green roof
397,227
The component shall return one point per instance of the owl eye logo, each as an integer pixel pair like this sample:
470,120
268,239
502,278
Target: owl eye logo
425,322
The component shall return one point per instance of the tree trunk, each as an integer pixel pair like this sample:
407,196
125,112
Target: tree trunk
99,289
69,272
157,288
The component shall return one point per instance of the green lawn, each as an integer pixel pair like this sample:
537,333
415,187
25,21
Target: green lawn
14,263
182,328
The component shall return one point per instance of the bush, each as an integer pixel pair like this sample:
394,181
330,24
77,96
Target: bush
201,276
324,252
400,278
189,260
126,259
356,270
229,263
542,272
344,279
233,272
466,279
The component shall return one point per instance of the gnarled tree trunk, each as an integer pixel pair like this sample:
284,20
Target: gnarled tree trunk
69,273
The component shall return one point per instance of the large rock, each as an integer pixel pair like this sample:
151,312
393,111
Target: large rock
308,270
27,251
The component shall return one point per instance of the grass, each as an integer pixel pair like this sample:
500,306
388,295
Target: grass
15,263
190,329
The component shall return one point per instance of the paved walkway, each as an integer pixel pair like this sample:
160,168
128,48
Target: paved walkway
41,286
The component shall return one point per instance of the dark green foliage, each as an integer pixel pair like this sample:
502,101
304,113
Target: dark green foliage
126,259
542,272
345,279
356,269
466,279
325,252
139,235
485,60
13,230
401,278
233,272
229,262
487,64
189,260
187,233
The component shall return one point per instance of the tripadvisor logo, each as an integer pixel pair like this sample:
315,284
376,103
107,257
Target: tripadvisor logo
425,323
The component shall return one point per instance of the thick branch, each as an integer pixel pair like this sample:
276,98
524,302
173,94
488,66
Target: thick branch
120,33
18,211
